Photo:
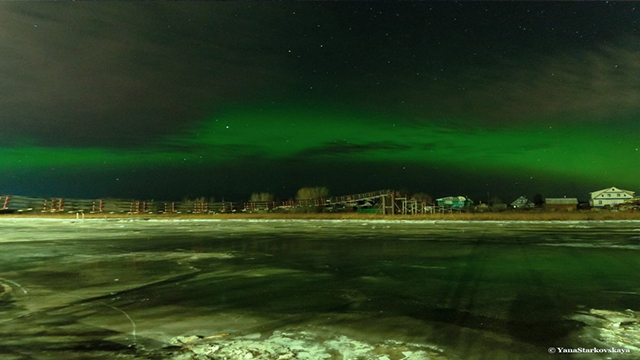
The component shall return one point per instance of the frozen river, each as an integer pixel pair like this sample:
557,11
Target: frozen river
291,289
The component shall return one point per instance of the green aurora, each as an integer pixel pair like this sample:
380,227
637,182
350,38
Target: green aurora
578,152
165,100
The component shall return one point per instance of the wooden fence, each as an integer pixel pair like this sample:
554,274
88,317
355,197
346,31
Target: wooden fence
387,201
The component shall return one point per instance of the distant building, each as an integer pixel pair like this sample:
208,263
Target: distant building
455,202
522,203
630,204
561,204
609,196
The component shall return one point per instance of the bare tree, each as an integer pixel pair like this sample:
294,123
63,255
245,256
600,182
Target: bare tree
312,193
260,197
423,198
186,205
538,200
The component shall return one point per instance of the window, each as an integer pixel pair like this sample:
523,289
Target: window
599,202
609,195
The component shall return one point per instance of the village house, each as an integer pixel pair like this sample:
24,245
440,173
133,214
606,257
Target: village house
561,204
609,197
522,203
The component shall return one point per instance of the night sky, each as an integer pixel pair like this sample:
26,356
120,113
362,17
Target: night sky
222,99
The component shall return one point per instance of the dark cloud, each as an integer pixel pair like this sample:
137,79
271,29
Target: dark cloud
347,148
117,74
221,152
122,74
428,146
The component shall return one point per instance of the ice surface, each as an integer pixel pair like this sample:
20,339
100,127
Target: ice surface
360,289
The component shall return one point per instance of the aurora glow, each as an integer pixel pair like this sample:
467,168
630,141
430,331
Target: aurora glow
198,99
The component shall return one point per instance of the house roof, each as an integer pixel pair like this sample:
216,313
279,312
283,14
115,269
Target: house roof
561,201
613,189
521,200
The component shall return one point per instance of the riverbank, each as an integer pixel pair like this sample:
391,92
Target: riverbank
503,216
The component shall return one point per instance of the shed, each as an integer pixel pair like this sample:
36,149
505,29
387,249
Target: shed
561,204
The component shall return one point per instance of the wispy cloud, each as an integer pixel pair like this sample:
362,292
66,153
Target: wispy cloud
572,85
584,85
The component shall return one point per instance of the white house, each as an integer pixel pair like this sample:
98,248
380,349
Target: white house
609,196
